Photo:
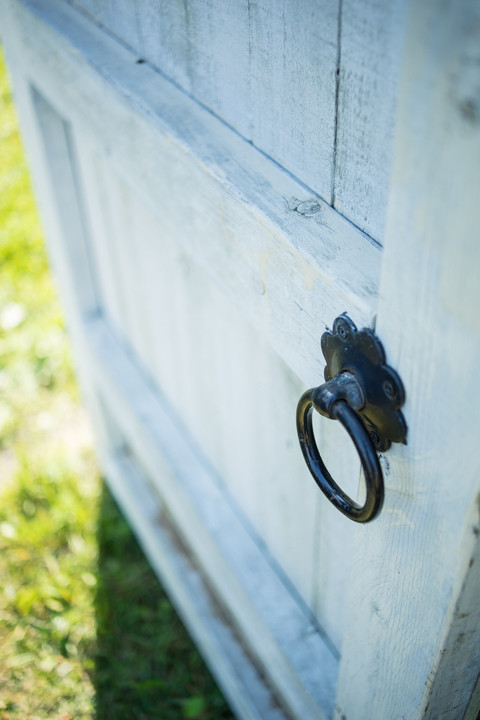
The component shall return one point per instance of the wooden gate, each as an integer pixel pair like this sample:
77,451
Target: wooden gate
219,181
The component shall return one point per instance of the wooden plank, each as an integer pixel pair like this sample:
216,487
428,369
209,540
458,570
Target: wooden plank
165,39
278,631
235,207
412,564
293,62
92,7
371,35
218,57
123,22
232,393
268,69
120,17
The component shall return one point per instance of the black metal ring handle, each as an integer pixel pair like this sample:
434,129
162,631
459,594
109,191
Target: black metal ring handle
341,411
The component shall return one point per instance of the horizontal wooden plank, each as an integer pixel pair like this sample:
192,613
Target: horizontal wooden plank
276,627
287,260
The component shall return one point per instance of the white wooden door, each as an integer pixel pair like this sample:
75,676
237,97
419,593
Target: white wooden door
214,179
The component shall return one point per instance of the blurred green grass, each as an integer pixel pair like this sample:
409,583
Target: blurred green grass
85,629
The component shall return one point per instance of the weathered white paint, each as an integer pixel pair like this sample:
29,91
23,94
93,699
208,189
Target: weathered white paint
269,69
101,217
292,70
413,580
276,628
178,213
370,37
231,390
235,208
165,39
255,65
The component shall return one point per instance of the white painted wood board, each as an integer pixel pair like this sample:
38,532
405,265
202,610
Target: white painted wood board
241,208
393,626
413,564
117,16
292,70
278,631
312,85
370,37
164,33
268,69
235,396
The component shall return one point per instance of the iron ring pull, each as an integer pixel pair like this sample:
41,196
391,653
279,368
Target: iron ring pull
365,395
340,410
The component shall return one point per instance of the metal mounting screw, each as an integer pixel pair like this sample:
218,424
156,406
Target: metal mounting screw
389,390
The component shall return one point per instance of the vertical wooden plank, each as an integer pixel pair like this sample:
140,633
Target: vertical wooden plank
218,47
163,27
474,705
371,35
267,68
293,49
412,564
123,22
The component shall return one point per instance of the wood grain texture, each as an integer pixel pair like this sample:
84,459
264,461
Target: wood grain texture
164,36
267,68
120,17
219,60
293,60
371,35
275,627
230,389
413,564
235,207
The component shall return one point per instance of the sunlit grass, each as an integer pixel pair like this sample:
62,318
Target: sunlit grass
49,484
85,630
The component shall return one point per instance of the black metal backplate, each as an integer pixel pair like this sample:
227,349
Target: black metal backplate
360,352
